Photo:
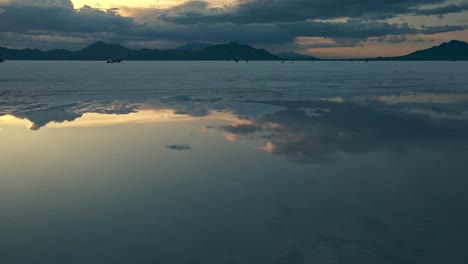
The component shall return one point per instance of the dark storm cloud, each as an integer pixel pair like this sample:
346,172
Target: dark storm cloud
350,32
441,29
282,21
272,11
352,28
443,10
42,20
285,32
23,18
255,22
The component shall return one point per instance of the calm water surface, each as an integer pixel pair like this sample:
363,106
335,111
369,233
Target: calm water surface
217,162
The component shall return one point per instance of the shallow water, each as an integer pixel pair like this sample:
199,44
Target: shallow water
217,162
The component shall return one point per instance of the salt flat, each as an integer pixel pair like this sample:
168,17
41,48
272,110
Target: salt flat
218,162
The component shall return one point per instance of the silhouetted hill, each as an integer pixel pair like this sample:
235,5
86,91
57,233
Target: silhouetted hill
236,51
194,46
103,51
58,54
295,56
34,54
453,50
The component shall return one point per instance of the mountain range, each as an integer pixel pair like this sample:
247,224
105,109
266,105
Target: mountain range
453,50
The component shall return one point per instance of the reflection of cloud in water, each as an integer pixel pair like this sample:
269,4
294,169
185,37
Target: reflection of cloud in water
434,105
45,114
350,128
306,131
441,114
12,120
422,98
59,110
186,105
179,147
55,119
243,128
406,98
42,117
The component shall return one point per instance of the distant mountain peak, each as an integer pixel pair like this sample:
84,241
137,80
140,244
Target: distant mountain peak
193,46
97,44
104,50
453,43
452,50
102,44
457,42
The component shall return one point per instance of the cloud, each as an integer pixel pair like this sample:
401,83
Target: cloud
43,3
57,18
179,147
42,114
443,10
243,129
266,23
266,11
353,128
441,29
186,105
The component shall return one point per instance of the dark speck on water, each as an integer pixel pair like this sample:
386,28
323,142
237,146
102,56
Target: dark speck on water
179,147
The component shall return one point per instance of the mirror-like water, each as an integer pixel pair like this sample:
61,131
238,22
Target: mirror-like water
217,162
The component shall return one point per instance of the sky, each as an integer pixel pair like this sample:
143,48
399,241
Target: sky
323,28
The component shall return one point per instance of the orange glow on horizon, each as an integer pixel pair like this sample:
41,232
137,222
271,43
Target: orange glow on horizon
373,48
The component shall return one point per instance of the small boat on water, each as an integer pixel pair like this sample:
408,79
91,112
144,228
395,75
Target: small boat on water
113,61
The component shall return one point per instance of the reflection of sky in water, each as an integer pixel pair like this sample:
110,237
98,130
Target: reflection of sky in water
369,175
102,119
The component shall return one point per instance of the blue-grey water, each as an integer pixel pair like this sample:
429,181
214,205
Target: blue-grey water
225,163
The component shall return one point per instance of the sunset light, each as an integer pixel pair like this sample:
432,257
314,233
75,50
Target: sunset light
233,131
153,4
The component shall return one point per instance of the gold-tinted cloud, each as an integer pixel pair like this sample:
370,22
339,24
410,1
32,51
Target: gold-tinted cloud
135,3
